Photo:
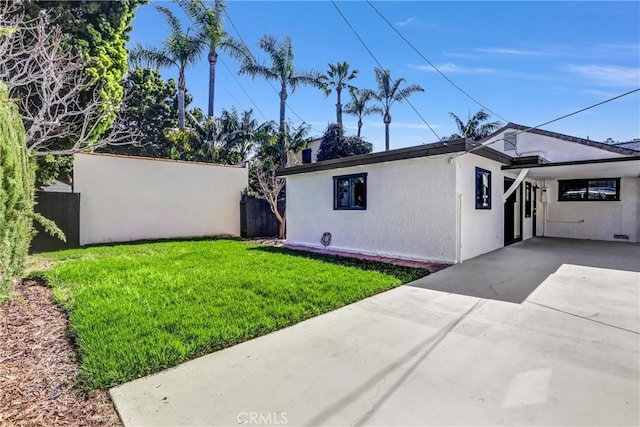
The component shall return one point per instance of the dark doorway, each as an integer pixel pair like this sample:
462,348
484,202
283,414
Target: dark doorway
64,210
535,210
512,214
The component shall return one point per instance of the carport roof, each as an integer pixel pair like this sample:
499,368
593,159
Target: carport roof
617,166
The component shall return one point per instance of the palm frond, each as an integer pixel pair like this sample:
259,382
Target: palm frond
172,20
261,70
150,57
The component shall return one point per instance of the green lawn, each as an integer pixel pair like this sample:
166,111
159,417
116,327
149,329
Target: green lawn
139,308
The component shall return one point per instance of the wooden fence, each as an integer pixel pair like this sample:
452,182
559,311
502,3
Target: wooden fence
256,218
64,210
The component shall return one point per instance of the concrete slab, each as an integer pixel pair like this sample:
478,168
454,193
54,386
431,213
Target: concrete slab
567,355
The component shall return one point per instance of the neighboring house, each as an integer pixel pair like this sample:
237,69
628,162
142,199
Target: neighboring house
454,200
631,145
309,154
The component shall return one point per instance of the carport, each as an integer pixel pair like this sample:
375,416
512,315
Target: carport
542,332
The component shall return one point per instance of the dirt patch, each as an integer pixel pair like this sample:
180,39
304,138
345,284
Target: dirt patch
39,369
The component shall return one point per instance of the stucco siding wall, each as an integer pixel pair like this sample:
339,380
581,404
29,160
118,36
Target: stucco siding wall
601,219
552,149
126,199
411,210
481,230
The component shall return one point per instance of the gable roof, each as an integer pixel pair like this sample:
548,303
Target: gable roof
574,139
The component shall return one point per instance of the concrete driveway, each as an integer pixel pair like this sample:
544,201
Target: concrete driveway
565,351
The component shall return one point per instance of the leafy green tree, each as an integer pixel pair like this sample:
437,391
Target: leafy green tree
281,70
97,31
337,78
179,50
211,31
358,106
388,93
335,144
150,106
475,128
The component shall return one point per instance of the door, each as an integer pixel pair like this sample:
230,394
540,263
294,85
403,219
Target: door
512,214
534,210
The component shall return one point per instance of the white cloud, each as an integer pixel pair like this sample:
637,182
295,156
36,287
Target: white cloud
607,75
407,21
510,51
448,67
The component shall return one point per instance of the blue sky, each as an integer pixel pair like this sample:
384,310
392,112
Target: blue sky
527,61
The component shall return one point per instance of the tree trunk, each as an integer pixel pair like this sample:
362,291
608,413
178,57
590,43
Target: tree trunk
282,226
339,108
181,90
387,122
283,105
359,126
213,59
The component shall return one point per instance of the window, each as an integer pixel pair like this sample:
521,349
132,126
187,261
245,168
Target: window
510,141
527,200
597,189
483,189
306,156
350,192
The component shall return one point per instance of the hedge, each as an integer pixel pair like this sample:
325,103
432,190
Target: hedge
16,194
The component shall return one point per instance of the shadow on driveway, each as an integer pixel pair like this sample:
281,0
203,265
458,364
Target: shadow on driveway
512,273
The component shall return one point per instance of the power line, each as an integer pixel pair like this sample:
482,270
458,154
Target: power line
556,119
287,104
243,90
432,64
382,67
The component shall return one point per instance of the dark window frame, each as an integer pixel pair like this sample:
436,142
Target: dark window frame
585,182
349,177
528,200
479,173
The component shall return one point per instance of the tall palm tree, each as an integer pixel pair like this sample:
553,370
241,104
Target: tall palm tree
180,50
281,70
474,128
211,31
388,93
337,78
358,105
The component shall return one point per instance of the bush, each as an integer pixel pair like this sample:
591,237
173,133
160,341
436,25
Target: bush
16,194
335,145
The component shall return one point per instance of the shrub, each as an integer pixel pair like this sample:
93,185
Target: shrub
335,144
16,194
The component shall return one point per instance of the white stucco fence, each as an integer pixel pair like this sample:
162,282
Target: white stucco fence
126,198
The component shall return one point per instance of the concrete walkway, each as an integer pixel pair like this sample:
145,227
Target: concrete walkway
568,354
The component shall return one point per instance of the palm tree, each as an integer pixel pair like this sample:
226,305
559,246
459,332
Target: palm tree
180,50
211,31
474,128
358,105
337,78
281,70
388,93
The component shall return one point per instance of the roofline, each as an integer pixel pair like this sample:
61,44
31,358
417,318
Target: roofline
159,159
574,162
575,139
446,147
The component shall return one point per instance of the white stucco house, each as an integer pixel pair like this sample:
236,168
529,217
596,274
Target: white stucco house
451,201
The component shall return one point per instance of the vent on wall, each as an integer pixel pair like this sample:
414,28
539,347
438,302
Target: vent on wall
621,236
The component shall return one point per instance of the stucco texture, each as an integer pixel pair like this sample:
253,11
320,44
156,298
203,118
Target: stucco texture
126,199
411,210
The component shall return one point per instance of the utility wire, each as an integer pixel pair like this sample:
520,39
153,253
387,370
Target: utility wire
243,90
381,66
287,104
556,119
432,64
